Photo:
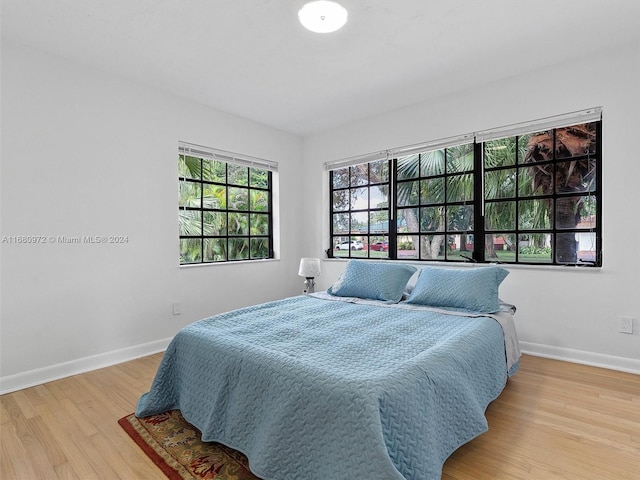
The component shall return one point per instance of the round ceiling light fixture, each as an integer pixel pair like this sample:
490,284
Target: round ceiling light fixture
323,16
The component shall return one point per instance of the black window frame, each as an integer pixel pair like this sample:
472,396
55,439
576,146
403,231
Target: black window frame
225,239
522,236
348,215
556,231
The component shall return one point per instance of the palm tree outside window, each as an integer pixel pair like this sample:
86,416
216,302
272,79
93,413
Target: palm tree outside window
530,198
224,207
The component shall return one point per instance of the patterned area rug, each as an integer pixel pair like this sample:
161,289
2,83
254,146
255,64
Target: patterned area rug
175,447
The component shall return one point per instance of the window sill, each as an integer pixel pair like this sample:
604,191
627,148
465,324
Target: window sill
189,266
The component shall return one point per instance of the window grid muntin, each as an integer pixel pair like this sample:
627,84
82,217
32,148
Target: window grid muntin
227,239
553,196
369,237
480,235
442,232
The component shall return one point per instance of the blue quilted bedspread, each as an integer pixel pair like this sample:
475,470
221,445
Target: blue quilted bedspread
311,389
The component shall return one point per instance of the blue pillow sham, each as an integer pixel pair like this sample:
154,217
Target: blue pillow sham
373,280
470,289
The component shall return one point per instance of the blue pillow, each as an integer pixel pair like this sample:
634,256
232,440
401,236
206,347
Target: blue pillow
373,280
474,289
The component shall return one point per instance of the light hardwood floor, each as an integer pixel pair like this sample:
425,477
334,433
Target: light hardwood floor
555,420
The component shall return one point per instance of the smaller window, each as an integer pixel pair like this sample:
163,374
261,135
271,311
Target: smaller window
224,209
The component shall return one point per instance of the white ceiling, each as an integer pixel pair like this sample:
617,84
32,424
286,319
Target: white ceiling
252,57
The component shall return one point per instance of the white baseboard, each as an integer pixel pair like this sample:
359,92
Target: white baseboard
612,362
12,383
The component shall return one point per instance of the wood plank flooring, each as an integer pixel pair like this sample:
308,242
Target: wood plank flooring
555,420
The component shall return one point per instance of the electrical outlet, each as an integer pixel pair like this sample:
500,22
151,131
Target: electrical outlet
626,324
177,308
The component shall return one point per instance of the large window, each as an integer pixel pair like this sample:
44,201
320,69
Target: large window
532,197
224,207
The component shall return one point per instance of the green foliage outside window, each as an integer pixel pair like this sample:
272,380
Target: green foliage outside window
224,211
531,198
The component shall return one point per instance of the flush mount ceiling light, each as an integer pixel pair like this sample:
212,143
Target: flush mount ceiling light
323,16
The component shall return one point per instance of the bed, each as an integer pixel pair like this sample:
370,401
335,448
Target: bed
384,384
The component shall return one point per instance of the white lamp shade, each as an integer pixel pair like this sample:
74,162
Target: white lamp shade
323,16
309,267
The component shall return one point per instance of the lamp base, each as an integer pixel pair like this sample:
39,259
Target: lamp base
309,285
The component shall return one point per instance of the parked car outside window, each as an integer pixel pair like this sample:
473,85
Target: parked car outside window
379,246
354,245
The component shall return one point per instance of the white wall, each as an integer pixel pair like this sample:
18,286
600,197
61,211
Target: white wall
87,153
566,313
